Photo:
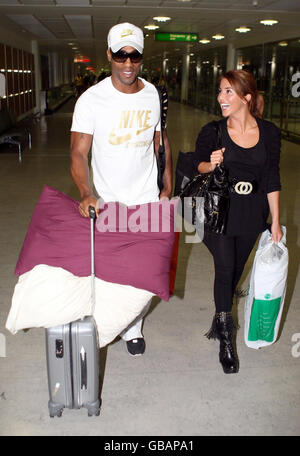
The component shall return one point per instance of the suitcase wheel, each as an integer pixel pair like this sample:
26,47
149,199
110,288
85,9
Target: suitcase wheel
97,413
58,414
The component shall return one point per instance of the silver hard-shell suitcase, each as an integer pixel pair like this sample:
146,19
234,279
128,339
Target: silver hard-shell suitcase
72,352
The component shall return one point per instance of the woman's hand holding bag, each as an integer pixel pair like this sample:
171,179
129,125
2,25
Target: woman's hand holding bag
216,158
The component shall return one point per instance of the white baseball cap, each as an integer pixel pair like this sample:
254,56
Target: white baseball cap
125,34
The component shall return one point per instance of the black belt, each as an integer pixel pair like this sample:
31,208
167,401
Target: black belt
242,187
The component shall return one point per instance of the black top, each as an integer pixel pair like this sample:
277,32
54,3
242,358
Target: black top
258,164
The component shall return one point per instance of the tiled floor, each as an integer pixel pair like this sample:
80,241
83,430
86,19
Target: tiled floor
178,386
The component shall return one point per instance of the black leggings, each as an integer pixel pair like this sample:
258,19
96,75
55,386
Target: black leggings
230,254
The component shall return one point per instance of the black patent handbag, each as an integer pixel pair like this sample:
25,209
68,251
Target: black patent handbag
205,199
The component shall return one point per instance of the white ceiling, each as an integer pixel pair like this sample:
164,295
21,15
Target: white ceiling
55,23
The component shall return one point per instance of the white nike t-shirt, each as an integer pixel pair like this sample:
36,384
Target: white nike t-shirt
123,126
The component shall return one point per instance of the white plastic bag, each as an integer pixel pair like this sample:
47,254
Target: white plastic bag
264,303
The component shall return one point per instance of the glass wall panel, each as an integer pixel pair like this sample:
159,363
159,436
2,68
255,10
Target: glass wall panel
206,68
273,65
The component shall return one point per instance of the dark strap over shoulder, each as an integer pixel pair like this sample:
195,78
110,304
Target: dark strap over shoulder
163,98
218,129
161,153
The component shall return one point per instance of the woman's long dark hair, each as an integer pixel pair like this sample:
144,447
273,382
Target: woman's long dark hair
243,83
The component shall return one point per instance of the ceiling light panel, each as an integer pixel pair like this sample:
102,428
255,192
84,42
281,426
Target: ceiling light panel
73,2
161,18
150,3
204,4
31,24
81,26
10,2
218,36
151,27
57,26
36,2
269,22
177,3
243,29
248,4
108,2
216,3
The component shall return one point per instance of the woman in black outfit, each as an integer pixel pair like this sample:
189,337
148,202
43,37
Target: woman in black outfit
250,153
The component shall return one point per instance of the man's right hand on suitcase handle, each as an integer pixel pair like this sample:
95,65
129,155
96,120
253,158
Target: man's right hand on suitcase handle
85,203
92,212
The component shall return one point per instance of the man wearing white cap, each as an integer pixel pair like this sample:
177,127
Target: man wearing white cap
120,117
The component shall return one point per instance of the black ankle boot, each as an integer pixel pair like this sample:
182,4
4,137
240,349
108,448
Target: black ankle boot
222,329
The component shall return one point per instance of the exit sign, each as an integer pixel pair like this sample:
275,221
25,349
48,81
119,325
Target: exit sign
186,37
81,59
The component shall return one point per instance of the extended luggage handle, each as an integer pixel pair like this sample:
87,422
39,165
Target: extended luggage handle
92,215
92,212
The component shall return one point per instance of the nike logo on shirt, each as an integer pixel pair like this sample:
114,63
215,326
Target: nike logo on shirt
117,140
129,119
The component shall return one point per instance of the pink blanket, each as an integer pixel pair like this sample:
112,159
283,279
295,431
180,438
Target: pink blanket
133,246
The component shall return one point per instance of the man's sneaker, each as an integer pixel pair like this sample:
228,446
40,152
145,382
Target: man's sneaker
136,347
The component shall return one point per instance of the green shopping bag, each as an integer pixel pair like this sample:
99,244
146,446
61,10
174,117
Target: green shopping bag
263,318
